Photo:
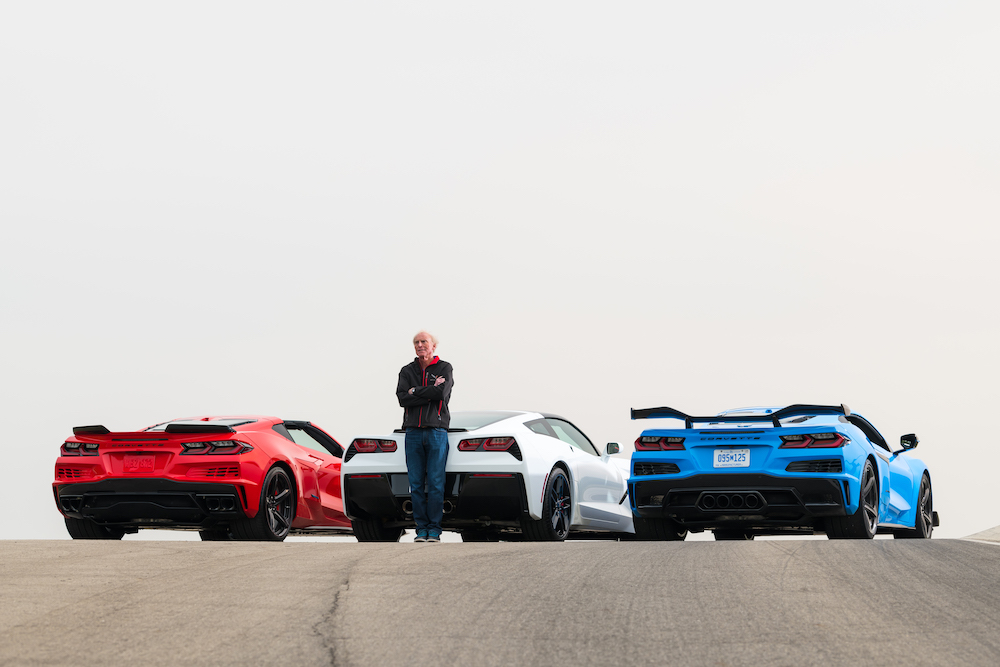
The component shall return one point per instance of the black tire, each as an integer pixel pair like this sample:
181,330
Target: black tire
215,534
375,531
479,535
555,521
666,530
727,534
82,529
276,511
924,524
863,524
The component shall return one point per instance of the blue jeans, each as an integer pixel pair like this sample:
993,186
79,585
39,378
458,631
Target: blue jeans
426,455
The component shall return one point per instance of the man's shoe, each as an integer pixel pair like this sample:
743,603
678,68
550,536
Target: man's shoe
419,538
433,538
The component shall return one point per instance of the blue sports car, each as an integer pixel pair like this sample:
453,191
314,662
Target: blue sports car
776,471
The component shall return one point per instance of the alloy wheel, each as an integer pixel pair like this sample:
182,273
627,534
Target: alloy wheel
279,505
869,499
925,508
560,500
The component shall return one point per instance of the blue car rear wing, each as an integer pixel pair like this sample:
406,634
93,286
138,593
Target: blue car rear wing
773,417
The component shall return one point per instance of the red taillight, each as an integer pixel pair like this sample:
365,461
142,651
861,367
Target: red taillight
487,444
215,447
813,441
368,446
365,446
498,444
654,443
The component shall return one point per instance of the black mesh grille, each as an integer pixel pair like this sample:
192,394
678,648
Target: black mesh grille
349,454
73,473
823,465
515,451
215,471
656,468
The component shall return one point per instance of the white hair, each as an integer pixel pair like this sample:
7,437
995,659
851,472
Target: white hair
429,335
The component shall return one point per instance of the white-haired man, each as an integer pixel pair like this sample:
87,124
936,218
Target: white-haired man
423,390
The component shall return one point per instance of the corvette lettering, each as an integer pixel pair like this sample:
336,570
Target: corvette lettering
734,437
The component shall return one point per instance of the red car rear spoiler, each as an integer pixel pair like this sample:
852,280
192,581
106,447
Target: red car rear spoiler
98,430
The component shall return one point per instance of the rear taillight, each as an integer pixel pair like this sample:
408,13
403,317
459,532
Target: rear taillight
369,446
80,448
215,447
813,441
654,443
487,444
498,444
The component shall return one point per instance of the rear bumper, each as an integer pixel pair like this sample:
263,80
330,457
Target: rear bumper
152,502
751,499
471,499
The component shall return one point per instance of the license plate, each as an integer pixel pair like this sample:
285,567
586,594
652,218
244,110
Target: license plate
139,462
732,458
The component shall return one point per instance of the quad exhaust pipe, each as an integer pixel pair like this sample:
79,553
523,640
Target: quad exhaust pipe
749,500
219,503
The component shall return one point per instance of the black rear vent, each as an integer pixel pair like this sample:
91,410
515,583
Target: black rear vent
656,469
823,465
349,454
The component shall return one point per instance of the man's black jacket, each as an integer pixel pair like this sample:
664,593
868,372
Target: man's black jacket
427,406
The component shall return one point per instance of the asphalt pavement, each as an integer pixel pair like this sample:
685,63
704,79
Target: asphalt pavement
781,602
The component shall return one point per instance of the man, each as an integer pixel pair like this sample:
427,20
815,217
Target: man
423,390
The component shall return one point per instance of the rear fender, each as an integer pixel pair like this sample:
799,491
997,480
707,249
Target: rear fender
908,517
884,485
538,481
254,492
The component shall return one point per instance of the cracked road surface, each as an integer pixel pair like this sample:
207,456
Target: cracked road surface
809,602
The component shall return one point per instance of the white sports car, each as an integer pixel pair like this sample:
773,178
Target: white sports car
510,475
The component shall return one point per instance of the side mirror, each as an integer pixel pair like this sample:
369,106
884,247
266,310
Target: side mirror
909,441
612,448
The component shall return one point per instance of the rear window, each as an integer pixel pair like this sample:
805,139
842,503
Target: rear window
474,420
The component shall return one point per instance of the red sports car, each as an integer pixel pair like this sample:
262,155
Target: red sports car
243,478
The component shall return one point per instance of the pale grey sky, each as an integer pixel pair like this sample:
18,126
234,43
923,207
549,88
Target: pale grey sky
245,207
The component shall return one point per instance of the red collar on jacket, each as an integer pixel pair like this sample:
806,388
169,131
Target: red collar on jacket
433,361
